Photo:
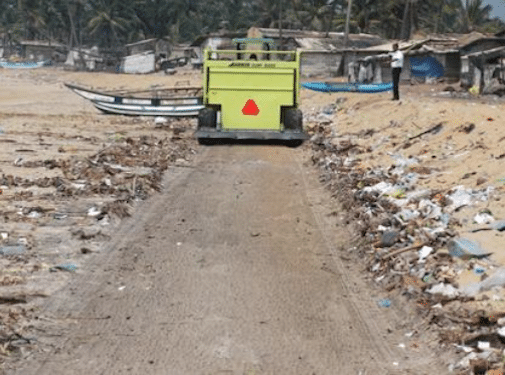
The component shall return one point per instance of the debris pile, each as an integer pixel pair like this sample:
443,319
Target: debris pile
49,223
410,238
125,171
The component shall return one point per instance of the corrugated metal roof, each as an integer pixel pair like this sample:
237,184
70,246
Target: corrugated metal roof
141,42
41,43
289,33
318,44
429,44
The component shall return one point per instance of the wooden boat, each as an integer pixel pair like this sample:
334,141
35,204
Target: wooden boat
22,65
159,102
369,88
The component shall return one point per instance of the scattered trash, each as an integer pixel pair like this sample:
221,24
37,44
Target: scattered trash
478,270
93,211
429,209
87,233
481,180
446,290
404,228
34,215
329,109
121,288
445,219
474,90
483,218
67,267
160,120
12,250
464,348
465,248
467,128
479,366
498,225
407,215
401,162
427,278
85,250
388,239
384,303
110,173
495,280
501,331
424,252
461,197
483,345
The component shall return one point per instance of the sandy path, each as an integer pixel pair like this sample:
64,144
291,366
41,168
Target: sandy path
233,269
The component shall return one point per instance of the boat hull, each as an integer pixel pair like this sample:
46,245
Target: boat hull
23,65
348,87
188,106
148,110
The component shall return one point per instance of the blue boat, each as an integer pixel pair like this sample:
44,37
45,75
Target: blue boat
369,88
22,65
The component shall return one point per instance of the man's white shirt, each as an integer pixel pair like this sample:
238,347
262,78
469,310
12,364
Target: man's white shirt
397,59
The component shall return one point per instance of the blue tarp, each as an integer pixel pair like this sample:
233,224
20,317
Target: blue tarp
426,67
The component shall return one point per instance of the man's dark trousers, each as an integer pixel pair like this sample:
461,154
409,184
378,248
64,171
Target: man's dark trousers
396,82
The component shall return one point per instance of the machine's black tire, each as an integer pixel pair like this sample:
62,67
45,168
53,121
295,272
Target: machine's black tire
207,118
294,143
206,141
293,120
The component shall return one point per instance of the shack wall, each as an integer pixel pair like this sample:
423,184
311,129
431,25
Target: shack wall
38,53
139,64
452,65
319,63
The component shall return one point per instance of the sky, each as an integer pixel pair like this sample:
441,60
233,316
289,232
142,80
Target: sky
498,8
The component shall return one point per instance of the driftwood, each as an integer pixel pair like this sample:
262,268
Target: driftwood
433,129
400,251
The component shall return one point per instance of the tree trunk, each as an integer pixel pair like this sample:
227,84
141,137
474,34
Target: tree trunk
73,36
412,24
330,20
405,29
437,22
280,25
348,18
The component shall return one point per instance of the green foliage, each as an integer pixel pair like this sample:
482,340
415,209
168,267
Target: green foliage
111,23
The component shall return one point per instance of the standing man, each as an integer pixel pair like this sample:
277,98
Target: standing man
396,65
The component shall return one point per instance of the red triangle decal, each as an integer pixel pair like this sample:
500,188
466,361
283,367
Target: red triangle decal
250,108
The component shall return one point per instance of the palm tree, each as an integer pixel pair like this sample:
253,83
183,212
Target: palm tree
365,12
476,14
390,17
154,16
108,21
31,15
316,14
